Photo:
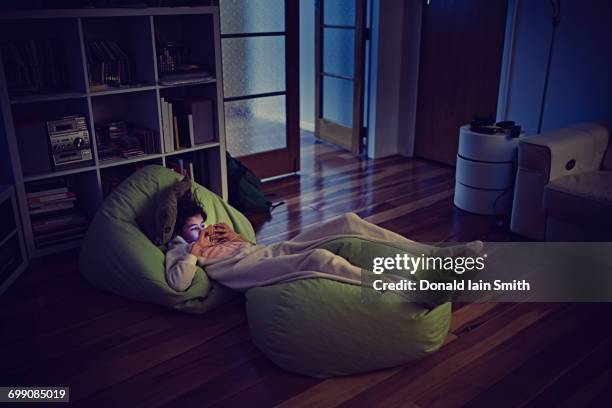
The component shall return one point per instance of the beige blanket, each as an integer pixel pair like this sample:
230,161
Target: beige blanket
299,258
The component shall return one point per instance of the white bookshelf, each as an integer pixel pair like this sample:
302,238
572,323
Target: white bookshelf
134,30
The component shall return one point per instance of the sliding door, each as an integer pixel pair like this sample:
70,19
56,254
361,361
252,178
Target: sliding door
260,49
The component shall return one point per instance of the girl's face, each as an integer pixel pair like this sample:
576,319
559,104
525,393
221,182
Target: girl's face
192,227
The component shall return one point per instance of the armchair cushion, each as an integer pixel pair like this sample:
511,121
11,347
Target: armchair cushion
582,198
584,144
607,160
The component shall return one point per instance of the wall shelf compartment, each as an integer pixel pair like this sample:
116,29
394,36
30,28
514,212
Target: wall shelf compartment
137,102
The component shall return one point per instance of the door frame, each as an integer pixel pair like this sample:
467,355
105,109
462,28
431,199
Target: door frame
283,161
349,138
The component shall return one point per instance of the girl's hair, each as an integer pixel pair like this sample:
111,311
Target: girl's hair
187,207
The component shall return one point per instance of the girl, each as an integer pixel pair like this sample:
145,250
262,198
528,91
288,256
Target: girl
336,249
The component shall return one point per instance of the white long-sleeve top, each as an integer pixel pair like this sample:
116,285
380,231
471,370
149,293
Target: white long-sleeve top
180,264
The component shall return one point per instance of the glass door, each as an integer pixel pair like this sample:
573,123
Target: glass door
340,65
260,52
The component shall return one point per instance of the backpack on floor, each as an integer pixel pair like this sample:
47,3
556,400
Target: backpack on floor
245,188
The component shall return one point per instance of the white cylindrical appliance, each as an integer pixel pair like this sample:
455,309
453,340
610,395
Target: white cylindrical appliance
485,172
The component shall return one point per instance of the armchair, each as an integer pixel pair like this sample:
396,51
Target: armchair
563,189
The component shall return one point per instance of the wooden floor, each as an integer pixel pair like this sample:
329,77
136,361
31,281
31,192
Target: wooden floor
57,331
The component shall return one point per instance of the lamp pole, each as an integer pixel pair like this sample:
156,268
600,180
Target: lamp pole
556,6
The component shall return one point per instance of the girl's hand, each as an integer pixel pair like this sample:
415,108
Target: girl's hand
223,232
202,242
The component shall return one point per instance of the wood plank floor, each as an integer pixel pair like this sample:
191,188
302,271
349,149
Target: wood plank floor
56,330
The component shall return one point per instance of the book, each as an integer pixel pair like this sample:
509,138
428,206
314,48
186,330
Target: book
203,129
127,153
41,193
175,129
180,166
52,207
34,66
183,167
171,125
168,143
186,81
162,110
47,242
35,200
147,138
108,64
194,120
67,231
58,219
57,223
34,206
190,126
181,113
42,186
186,77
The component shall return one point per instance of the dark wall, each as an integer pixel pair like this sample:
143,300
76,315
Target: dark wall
580,87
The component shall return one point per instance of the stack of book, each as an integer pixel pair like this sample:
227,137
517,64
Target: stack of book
106,151
117,139
128,152
116,130
130,146
148,139
50,200
34,66
57,229
186,122
54,217
108,65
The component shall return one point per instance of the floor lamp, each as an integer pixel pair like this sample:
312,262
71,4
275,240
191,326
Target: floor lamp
556,6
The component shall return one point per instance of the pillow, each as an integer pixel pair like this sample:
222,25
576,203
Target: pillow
157,221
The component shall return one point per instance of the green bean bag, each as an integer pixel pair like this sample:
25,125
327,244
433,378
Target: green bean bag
117,257
324,328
